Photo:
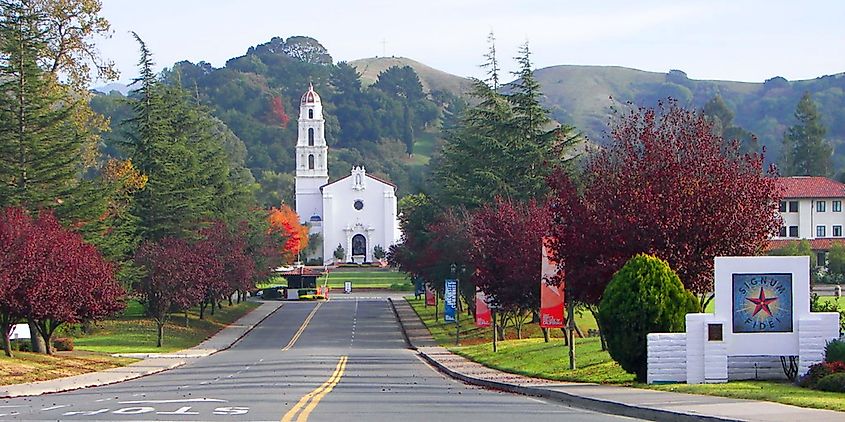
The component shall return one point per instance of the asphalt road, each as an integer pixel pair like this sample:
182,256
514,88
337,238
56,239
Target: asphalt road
347,363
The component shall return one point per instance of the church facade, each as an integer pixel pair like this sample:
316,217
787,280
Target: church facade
357,212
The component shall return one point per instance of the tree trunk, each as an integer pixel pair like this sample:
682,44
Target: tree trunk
203,304
230,299
160,333
35,339
565,337
601,331
545,335
213,303
7,345
186,318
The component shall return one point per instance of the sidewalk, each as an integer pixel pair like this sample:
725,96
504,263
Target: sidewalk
152,362
626,401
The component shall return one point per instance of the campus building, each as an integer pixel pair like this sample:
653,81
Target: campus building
355,213
811,209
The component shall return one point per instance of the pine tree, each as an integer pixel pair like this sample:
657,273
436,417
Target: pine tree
805,151
40,146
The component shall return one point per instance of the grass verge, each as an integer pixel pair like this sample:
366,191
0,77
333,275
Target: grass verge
533,357
30,367
135,333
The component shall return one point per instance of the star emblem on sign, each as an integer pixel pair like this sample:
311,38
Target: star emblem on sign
761,303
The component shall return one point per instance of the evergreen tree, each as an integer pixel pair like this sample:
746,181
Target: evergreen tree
40,146
805,151
173,146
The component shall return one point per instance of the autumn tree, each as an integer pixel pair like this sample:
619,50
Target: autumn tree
667,187
176,274
285,222
53,277
506,237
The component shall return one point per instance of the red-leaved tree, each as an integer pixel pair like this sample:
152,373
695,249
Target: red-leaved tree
506,239
177,274
665,186
278,111
236,269
52,275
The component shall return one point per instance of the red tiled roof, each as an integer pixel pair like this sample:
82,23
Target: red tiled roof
810,187
821,244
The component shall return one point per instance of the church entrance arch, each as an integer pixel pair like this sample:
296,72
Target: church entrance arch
359,245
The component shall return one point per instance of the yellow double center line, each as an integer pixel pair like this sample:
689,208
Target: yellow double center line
308,402
302,328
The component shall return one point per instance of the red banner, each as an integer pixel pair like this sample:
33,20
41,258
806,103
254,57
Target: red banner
551,297
429,296
482,311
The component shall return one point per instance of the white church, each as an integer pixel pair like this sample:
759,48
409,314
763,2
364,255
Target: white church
357,212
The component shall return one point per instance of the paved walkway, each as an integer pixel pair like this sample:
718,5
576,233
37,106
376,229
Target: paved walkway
152,362
633,402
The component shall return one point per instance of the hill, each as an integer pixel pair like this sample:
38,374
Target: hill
432,79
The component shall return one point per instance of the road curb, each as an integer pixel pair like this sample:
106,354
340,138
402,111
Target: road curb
597,405
4,393
401,325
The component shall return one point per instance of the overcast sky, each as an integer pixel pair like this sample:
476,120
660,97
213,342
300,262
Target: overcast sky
719,39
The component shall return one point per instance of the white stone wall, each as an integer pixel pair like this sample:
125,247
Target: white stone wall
814,332
667,360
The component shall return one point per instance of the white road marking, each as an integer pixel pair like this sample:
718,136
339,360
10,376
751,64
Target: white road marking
85,412
200,400
231,410
134,410
8,407
181,411
55,407
102,400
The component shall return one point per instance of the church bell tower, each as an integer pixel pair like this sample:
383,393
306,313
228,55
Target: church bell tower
311,158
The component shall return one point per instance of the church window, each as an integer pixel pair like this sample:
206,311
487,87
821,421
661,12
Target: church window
310,113
310,161
359,204
310,136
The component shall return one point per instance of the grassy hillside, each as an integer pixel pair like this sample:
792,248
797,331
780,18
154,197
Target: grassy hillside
431,78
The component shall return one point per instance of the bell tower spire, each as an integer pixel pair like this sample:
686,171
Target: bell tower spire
311,156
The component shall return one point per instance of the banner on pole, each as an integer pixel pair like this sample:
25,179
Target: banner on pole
450,298
482,310
430,298
551,297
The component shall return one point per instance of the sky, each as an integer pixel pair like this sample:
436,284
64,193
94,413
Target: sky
738,40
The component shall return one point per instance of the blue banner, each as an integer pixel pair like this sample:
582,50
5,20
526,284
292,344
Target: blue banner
419,286
450,297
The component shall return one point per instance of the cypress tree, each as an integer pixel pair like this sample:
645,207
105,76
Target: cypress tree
805,151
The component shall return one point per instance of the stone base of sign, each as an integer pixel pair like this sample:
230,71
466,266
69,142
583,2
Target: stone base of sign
720,346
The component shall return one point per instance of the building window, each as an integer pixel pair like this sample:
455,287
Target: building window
837,231
837,206
821,259
820,206
310,161
310,113
359,204
793,206
819,231
782,231
782,207
310,136
793,231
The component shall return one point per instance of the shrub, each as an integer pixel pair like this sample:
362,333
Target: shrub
834,351
833,382
644,296
820,370
63,344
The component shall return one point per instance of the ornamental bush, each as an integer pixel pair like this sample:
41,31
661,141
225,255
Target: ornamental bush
833,382
644,296
834,351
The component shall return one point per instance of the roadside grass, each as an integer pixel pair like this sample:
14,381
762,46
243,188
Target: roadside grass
533,357
780,392
134,333
31,367
393,280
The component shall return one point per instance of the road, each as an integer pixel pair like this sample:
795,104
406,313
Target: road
341,360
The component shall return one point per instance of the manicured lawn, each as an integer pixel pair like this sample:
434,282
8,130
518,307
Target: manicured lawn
134,333
533,357
31,367
781,392
368,279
